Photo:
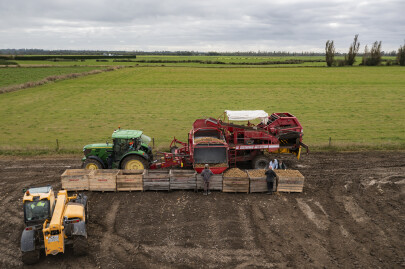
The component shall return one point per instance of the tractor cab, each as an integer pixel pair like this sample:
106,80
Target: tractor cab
125,141
38,205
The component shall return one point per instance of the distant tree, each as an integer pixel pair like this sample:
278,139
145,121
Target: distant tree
401,55
350,58
366,56
375,53
372,57
329,52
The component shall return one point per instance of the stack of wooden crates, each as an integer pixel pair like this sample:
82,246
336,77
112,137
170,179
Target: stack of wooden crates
141,180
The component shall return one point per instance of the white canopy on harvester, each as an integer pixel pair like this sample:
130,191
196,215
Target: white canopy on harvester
244,115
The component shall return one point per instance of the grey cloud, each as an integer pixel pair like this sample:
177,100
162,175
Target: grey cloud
199,25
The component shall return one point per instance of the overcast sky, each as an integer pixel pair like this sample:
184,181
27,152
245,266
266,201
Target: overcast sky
204,25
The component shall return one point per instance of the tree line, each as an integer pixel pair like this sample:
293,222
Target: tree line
370,57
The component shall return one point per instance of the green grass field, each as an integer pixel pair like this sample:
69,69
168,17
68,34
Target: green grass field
358,107
12,76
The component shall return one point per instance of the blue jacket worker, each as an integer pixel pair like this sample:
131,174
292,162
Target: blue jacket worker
273,164
206,175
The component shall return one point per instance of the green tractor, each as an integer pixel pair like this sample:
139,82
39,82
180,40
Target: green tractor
129,150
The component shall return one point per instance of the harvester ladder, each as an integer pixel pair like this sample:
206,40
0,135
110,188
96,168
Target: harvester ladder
232,158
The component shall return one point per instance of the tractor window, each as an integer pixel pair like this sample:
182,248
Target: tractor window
36,210
145,139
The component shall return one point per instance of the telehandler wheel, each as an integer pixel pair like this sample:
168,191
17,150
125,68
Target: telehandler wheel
80,245
134,162
92,164
30,257
260,162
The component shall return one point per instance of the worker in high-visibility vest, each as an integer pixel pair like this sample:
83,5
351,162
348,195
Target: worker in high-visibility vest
38,208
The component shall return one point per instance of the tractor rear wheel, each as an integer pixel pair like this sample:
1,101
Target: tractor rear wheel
134,162
80,245
92,164
260,162
30,257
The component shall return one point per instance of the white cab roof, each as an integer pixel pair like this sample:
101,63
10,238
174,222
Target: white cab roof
243,115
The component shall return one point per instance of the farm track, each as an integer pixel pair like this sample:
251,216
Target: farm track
351,214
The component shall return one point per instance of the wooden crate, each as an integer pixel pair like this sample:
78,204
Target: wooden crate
289,181
130,180
76,179
259,184
183,179
215,182
156,180
103,180
235,184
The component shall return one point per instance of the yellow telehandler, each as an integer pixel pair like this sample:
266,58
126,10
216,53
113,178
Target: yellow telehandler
52,223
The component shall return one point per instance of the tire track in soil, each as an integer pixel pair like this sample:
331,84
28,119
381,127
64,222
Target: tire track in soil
363,238
108,238
123,250
360,216
265,238
246,226
320,220
306,240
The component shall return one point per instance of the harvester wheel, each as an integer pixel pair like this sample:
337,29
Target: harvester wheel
30,257
80,246
92,164
260,162
134,162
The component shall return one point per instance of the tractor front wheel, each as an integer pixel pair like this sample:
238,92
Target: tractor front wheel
92,164
134,162
260,162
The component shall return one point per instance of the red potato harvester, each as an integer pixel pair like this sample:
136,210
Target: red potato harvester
221,143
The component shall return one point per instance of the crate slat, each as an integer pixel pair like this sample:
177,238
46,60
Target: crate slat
76,179
130,180
289,181
215,182
259,184
103,180
235,184
156,180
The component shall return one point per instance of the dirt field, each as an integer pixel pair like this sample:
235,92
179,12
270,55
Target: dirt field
351,214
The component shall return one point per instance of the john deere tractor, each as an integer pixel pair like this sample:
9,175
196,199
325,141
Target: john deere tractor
129,150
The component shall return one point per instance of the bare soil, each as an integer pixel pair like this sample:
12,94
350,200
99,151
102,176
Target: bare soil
351,214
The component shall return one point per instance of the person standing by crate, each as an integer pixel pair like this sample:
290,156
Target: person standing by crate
206,175
270,177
